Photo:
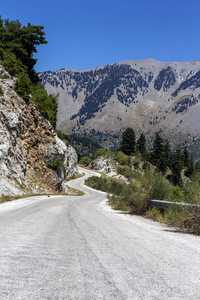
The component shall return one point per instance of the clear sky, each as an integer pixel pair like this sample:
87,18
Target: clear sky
83,34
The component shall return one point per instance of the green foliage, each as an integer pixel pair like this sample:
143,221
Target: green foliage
177,167
155,214
64,137
136,162
185,157
128,142
47,104
190,170
12,64
18,45
126,172
85,161
56,164
176,195
154,184
121,158
103,152
146,166
141,143
197,167
157,155
84,146
134,195
23,86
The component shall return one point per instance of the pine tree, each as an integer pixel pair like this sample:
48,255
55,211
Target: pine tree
18,45
177,167
157,156
141,143
128,142
168,154
197,167
186,161
190,169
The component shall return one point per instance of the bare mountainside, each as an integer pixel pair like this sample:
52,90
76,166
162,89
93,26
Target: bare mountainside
147,95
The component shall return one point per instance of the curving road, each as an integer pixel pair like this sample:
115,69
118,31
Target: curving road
72,248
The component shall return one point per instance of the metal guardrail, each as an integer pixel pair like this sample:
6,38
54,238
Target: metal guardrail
167,204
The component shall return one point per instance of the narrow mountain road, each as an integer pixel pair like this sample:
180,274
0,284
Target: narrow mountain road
77,248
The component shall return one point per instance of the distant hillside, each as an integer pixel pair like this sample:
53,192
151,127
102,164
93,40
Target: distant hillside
148,95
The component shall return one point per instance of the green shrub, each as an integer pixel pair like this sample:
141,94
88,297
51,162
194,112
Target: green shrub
176,195
136,162
155,185
146,165
192,190
184,218
155,214
56,164
47,104
122,158
85,161
63,136
13,65
102,152
126,171
23,86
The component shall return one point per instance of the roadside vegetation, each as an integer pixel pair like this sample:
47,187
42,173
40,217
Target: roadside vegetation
158,174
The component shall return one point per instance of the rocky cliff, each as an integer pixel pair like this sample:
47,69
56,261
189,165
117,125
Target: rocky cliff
148,95
29,147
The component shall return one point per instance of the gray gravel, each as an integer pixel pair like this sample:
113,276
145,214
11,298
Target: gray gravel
78,248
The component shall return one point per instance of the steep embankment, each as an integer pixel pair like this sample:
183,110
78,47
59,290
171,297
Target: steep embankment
28,145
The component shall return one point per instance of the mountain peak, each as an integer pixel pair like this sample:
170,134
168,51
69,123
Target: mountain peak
145,94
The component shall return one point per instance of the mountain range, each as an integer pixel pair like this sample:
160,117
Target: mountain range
147,95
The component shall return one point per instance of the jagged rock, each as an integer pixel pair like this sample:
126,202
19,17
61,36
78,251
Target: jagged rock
28,144
108,166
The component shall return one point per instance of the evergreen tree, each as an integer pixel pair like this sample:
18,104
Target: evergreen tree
23,86
47,104
157,156
128,142
141,143
197,167
190,169
18,45
186,161
177,167
167,154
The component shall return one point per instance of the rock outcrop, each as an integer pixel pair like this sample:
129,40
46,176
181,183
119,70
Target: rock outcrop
108,166
28,146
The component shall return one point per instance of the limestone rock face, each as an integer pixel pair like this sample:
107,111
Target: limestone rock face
28,144
108,166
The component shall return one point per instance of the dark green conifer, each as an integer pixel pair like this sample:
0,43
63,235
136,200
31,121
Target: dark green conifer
186,161
190,169
177,167
141,143
128,142
157,156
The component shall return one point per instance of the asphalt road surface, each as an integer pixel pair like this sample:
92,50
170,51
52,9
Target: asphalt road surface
63,247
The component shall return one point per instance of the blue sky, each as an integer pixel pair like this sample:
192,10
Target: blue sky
85,34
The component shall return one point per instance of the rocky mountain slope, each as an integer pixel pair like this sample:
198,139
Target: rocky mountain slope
28,145
148,95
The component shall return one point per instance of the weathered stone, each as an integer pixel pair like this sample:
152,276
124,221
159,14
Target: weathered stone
28,144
